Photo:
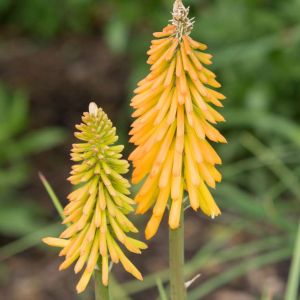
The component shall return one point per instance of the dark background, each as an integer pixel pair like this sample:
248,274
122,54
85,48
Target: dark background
57,56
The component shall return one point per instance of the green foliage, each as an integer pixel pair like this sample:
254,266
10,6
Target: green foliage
46,19
27,241
294,276
162,292
256,46
19,215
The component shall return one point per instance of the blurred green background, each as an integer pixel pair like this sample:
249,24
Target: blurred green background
57,56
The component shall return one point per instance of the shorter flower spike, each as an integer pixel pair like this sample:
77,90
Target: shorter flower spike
99,205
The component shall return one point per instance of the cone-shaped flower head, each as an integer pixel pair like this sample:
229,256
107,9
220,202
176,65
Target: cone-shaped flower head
98,206
174,126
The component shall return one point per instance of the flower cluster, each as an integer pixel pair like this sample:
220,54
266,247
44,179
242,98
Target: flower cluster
98,206
174,126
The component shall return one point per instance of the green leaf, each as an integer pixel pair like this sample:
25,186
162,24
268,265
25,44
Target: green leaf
116,35
19,218
161,289
41,140
264,122
13,177
294,275
52,195
4,4
14,117
28,241
242,268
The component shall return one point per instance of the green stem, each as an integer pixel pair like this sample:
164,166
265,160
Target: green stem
176,261
101,291
294,275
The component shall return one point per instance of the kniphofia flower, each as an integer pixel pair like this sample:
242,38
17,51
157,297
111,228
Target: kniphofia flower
174,128
98,206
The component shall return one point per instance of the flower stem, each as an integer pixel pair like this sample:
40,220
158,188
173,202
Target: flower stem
101,291
176,261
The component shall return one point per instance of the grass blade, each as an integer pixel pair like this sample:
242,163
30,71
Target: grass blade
294,275
264,122
210,255
239,270
279,169
52,195
161,289
27,241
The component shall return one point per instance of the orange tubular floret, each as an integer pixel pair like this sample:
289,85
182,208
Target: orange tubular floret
173,125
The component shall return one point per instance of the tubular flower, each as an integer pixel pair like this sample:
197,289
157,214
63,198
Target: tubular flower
174,126
97,209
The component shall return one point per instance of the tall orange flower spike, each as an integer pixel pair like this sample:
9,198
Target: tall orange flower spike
173,126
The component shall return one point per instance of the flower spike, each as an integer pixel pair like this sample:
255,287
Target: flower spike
98,207
174,126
